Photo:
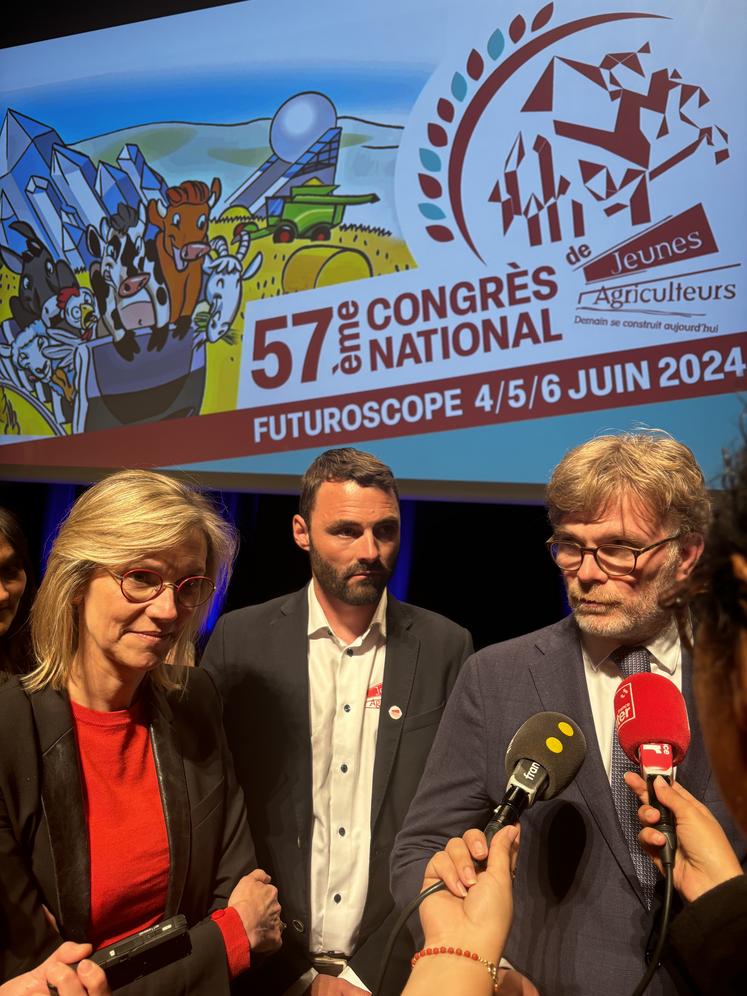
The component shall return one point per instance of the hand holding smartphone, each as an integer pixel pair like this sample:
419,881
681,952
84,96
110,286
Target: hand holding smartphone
142,953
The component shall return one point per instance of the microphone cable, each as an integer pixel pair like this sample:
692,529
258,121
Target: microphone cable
666,913
401,921
652,728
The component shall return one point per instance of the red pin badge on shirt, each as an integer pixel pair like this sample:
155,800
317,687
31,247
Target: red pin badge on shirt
373,697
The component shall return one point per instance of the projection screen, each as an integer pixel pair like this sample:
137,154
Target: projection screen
462,236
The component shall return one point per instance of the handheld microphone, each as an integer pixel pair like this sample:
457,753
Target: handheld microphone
653,730
542,759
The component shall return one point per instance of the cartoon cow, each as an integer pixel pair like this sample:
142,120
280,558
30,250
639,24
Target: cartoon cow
41,276
223,284
182,244
127,280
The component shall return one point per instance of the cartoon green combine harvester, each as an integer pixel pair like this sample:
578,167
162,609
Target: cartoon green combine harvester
310,211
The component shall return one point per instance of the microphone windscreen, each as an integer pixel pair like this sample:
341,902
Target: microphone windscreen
552,740
650,709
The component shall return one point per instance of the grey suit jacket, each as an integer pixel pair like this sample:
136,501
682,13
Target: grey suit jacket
580,924
44,853
258,657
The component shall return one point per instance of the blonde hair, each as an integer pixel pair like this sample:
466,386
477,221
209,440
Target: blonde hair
650,466
127,516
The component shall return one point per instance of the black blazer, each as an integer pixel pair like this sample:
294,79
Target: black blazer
258,657
44,855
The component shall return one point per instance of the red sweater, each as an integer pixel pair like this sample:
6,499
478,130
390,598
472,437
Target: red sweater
128,843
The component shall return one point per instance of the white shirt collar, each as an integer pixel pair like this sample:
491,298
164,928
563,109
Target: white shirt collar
319,625
665,648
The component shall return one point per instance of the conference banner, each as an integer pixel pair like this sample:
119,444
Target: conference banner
464,237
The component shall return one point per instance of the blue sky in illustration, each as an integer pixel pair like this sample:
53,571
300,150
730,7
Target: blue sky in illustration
81,110
234,63
207,66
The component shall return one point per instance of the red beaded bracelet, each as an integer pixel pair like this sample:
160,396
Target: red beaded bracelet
472,955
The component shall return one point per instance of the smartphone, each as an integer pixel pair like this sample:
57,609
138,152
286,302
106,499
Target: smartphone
142,953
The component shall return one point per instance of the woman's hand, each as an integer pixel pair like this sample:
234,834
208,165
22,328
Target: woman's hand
474,915
476,910
704,857
256,902
88,980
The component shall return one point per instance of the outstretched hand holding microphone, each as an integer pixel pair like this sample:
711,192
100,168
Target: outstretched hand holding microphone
653,730
477,921
471,911
681,835
704,858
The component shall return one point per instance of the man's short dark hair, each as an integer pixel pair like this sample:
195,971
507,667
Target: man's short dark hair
344,464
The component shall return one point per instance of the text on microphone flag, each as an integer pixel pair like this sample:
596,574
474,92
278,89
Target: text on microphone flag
625,703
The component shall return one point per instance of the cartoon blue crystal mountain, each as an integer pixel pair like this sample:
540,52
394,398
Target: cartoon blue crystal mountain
59,191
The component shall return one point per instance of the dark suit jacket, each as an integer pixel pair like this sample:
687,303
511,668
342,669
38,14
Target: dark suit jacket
580,923
258,657
44,855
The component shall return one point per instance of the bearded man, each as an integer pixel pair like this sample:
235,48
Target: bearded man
628,514
332,697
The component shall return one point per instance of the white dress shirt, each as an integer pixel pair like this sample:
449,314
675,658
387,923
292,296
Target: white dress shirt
345,683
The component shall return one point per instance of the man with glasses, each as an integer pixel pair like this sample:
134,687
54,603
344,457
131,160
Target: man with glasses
628,514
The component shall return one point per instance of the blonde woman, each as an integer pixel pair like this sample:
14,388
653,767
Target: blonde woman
118,803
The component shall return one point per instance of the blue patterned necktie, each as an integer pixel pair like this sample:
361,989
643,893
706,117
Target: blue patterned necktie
631,660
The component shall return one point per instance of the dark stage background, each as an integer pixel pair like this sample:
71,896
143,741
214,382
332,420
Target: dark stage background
483,565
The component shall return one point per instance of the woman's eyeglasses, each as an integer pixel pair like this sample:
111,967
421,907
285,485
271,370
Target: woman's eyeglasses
142,584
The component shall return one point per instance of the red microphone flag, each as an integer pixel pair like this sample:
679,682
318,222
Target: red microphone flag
650,710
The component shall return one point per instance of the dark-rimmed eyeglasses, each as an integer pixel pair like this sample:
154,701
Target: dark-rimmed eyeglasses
614,559
142,584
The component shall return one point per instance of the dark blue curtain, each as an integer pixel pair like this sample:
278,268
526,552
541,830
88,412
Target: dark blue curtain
482,564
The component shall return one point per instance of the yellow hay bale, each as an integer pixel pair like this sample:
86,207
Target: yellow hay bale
323,266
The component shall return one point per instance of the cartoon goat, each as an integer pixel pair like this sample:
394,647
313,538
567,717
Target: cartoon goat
223,284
